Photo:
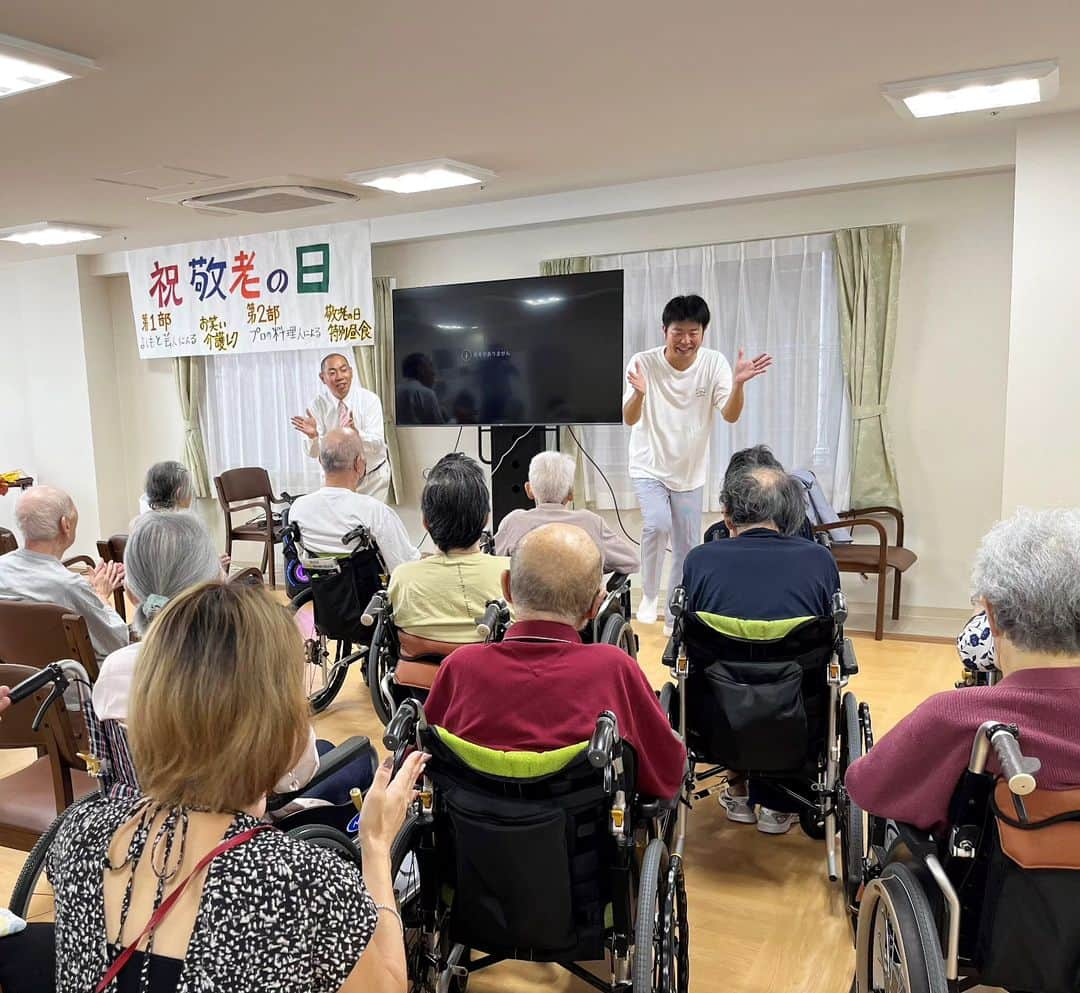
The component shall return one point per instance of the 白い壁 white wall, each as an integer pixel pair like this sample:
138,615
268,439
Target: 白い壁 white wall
947,398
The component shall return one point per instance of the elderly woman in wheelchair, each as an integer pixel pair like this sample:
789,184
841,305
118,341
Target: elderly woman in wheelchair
971,877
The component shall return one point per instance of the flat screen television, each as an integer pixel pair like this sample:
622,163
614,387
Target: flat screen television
545,350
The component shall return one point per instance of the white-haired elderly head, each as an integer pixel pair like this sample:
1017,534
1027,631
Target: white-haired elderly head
551,478
1027,574
46,518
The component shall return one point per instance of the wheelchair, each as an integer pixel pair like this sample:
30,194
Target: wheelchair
401,665
545,857
766,698
337,588
993,903
611,626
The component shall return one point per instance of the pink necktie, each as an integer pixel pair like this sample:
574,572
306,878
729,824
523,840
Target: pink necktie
343,414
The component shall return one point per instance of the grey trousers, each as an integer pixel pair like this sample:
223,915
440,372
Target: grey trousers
666,515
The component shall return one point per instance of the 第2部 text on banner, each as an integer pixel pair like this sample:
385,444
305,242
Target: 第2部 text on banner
305,288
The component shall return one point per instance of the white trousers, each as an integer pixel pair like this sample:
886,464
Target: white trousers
666,515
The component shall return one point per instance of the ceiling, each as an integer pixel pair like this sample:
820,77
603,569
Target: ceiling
553,96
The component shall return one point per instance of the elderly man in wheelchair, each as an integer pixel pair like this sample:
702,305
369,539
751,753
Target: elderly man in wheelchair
973,875
538,835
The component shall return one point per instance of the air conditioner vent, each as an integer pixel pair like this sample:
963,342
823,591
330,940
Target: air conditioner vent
265,196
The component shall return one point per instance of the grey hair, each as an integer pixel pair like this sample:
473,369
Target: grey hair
168,485
551,476
166,553
1027,569
38,512
762,494
563,584
340,450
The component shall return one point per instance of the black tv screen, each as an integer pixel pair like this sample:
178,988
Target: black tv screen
545,350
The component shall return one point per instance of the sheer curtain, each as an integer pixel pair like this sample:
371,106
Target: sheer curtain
777,296
249,400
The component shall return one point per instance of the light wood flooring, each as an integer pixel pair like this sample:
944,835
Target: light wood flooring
763,915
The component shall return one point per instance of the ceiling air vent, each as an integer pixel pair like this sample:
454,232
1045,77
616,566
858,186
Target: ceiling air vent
268,196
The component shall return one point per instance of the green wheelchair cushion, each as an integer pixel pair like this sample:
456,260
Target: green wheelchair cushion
737,627
510,765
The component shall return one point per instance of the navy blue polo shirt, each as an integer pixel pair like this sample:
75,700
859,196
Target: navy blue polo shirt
761,575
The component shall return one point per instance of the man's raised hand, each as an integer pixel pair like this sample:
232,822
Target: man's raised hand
306,425
636,378
747,369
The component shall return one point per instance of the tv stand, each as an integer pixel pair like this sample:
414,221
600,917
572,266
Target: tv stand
511,449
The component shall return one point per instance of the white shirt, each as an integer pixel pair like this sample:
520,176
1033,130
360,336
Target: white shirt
670,442
329,513
367,415
112,693
27,575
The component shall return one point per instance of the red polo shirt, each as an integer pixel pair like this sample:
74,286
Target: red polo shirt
541,688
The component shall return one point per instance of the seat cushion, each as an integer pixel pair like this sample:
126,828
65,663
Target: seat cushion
418,675
27,801
865,557
415,647
254,531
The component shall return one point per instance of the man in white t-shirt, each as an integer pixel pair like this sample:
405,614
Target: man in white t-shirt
672,394
345,404
327,515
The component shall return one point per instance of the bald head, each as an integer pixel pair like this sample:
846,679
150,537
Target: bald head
340,449
555,573
46,515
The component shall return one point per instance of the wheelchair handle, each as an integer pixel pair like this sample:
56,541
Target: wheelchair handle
373,610
1018,770
401,730
604,739
490,621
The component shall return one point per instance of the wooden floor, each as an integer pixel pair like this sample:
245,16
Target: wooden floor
763,915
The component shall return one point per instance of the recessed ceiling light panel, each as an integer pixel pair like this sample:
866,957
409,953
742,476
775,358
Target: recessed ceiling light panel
51,233
968,92
421,177
27,66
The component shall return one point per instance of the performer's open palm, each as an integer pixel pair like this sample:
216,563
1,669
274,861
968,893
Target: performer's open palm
636,378
306,425
747,369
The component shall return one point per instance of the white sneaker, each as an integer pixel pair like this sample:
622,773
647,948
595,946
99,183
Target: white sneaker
646,612
737,807
668,630
774,822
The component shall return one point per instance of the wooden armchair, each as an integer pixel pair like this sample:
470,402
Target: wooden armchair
36,634
874,559
111,549
248,489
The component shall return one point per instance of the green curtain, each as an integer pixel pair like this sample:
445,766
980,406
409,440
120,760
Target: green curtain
375,365
188,372
868,267
564,267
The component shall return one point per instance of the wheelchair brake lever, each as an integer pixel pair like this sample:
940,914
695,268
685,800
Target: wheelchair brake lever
56,692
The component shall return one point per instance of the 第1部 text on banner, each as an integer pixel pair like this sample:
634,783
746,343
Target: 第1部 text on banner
305,288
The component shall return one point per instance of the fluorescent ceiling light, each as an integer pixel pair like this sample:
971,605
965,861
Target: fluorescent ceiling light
965,92
26,66
541,301
51,233
420,177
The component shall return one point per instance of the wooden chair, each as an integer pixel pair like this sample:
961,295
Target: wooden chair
36,634
246,489
31,798
876,559
111,549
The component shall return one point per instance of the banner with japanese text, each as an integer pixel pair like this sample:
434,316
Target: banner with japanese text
306,288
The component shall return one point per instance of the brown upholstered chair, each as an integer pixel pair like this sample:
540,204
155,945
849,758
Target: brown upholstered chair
31,798
247,489
36,634
419,659
876,559
111,549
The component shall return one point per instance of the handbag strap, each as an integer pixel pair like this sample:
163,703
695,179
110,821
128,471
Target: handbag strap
170,901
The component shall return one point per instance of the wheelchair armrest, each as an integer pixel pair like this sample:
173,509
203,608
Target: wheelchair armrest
849,664
332,762
616,580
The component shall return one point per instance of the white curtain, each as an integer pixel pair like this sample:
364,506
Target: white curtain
777,296
249,400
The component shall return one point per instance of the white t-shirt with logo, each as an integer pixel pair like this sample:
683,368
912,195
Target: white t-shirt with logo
670,442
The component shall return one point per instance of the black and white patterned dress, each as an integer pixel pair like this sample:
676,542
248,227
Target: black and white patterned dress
275,913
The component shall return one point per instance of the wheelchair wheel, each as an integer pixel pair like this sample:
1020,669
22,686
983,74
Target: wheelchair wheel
676,945
617,631
330,838
897,949
652,970
324,677
849,816
33,870
379,665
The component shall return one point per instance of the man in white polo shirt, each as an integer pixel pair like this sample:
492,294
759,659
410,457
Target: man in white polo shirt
672,393
326,515
346,404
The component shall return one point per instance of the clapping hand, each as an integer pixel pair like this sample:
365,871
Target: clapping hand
636,378
747,369
106,577
306,425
